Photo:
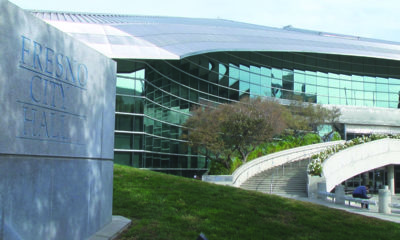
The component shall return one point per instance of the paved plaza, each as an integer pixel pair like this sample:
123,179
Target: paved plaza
356,208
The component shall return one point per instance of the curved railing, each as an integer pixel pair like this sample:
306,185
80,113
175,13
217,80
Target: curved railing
269,161
358,159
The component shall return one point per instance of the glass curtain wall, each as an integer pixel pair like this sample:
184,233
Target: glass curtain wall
153,102
148,124
318,78
129,118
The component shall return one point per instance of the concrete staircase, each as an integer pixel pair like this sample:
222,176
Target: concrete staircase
288,179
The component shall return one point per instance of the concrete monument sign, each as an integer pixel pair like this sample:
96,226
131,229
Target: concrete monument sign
57,102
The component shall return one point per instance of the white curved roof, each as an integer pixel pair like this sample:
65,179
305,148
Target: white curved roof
142,37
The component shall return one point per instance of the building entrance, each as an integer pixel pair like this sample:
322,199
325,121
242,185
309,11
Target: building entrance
376,179
397,178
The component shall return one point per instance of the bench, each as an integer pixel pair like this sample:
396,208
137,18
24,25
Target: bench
348,198
327,194
359,200
394,205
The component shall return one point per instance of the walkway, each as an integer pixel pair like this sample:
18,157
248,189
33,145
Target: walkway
355,208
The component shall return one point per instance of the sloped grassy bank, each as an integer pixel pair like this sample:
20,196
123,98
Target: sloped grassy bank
170,207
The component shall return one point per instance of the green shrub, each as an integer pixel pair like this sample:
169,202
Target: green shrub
216,168
237,162
310,138
285,142
336,136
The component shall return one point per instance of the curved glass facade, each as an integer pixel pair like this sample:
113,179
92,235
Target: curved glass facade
154,100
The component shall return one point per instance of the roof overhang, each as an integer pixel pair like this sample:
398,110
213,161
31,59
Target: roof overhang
175,38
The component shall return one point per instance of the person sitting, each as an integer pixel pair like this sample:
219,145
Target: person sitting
361,192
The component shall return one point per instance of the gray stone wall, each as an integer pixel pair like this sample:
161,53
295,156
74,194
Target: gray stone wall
54,198
56,131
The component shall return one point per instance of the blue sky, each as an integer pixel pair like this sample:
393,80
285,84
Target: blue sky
365,18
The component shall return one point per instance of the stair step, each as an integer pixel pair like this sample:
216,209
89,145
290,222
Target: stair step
290,179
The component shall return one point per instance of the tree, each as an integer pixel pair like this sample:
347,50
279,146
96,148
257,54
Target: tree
204,135
251,122
310,117
218,132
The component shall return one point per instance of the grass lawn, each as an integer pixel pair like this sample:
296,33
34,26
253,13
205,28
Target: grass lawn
169,207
